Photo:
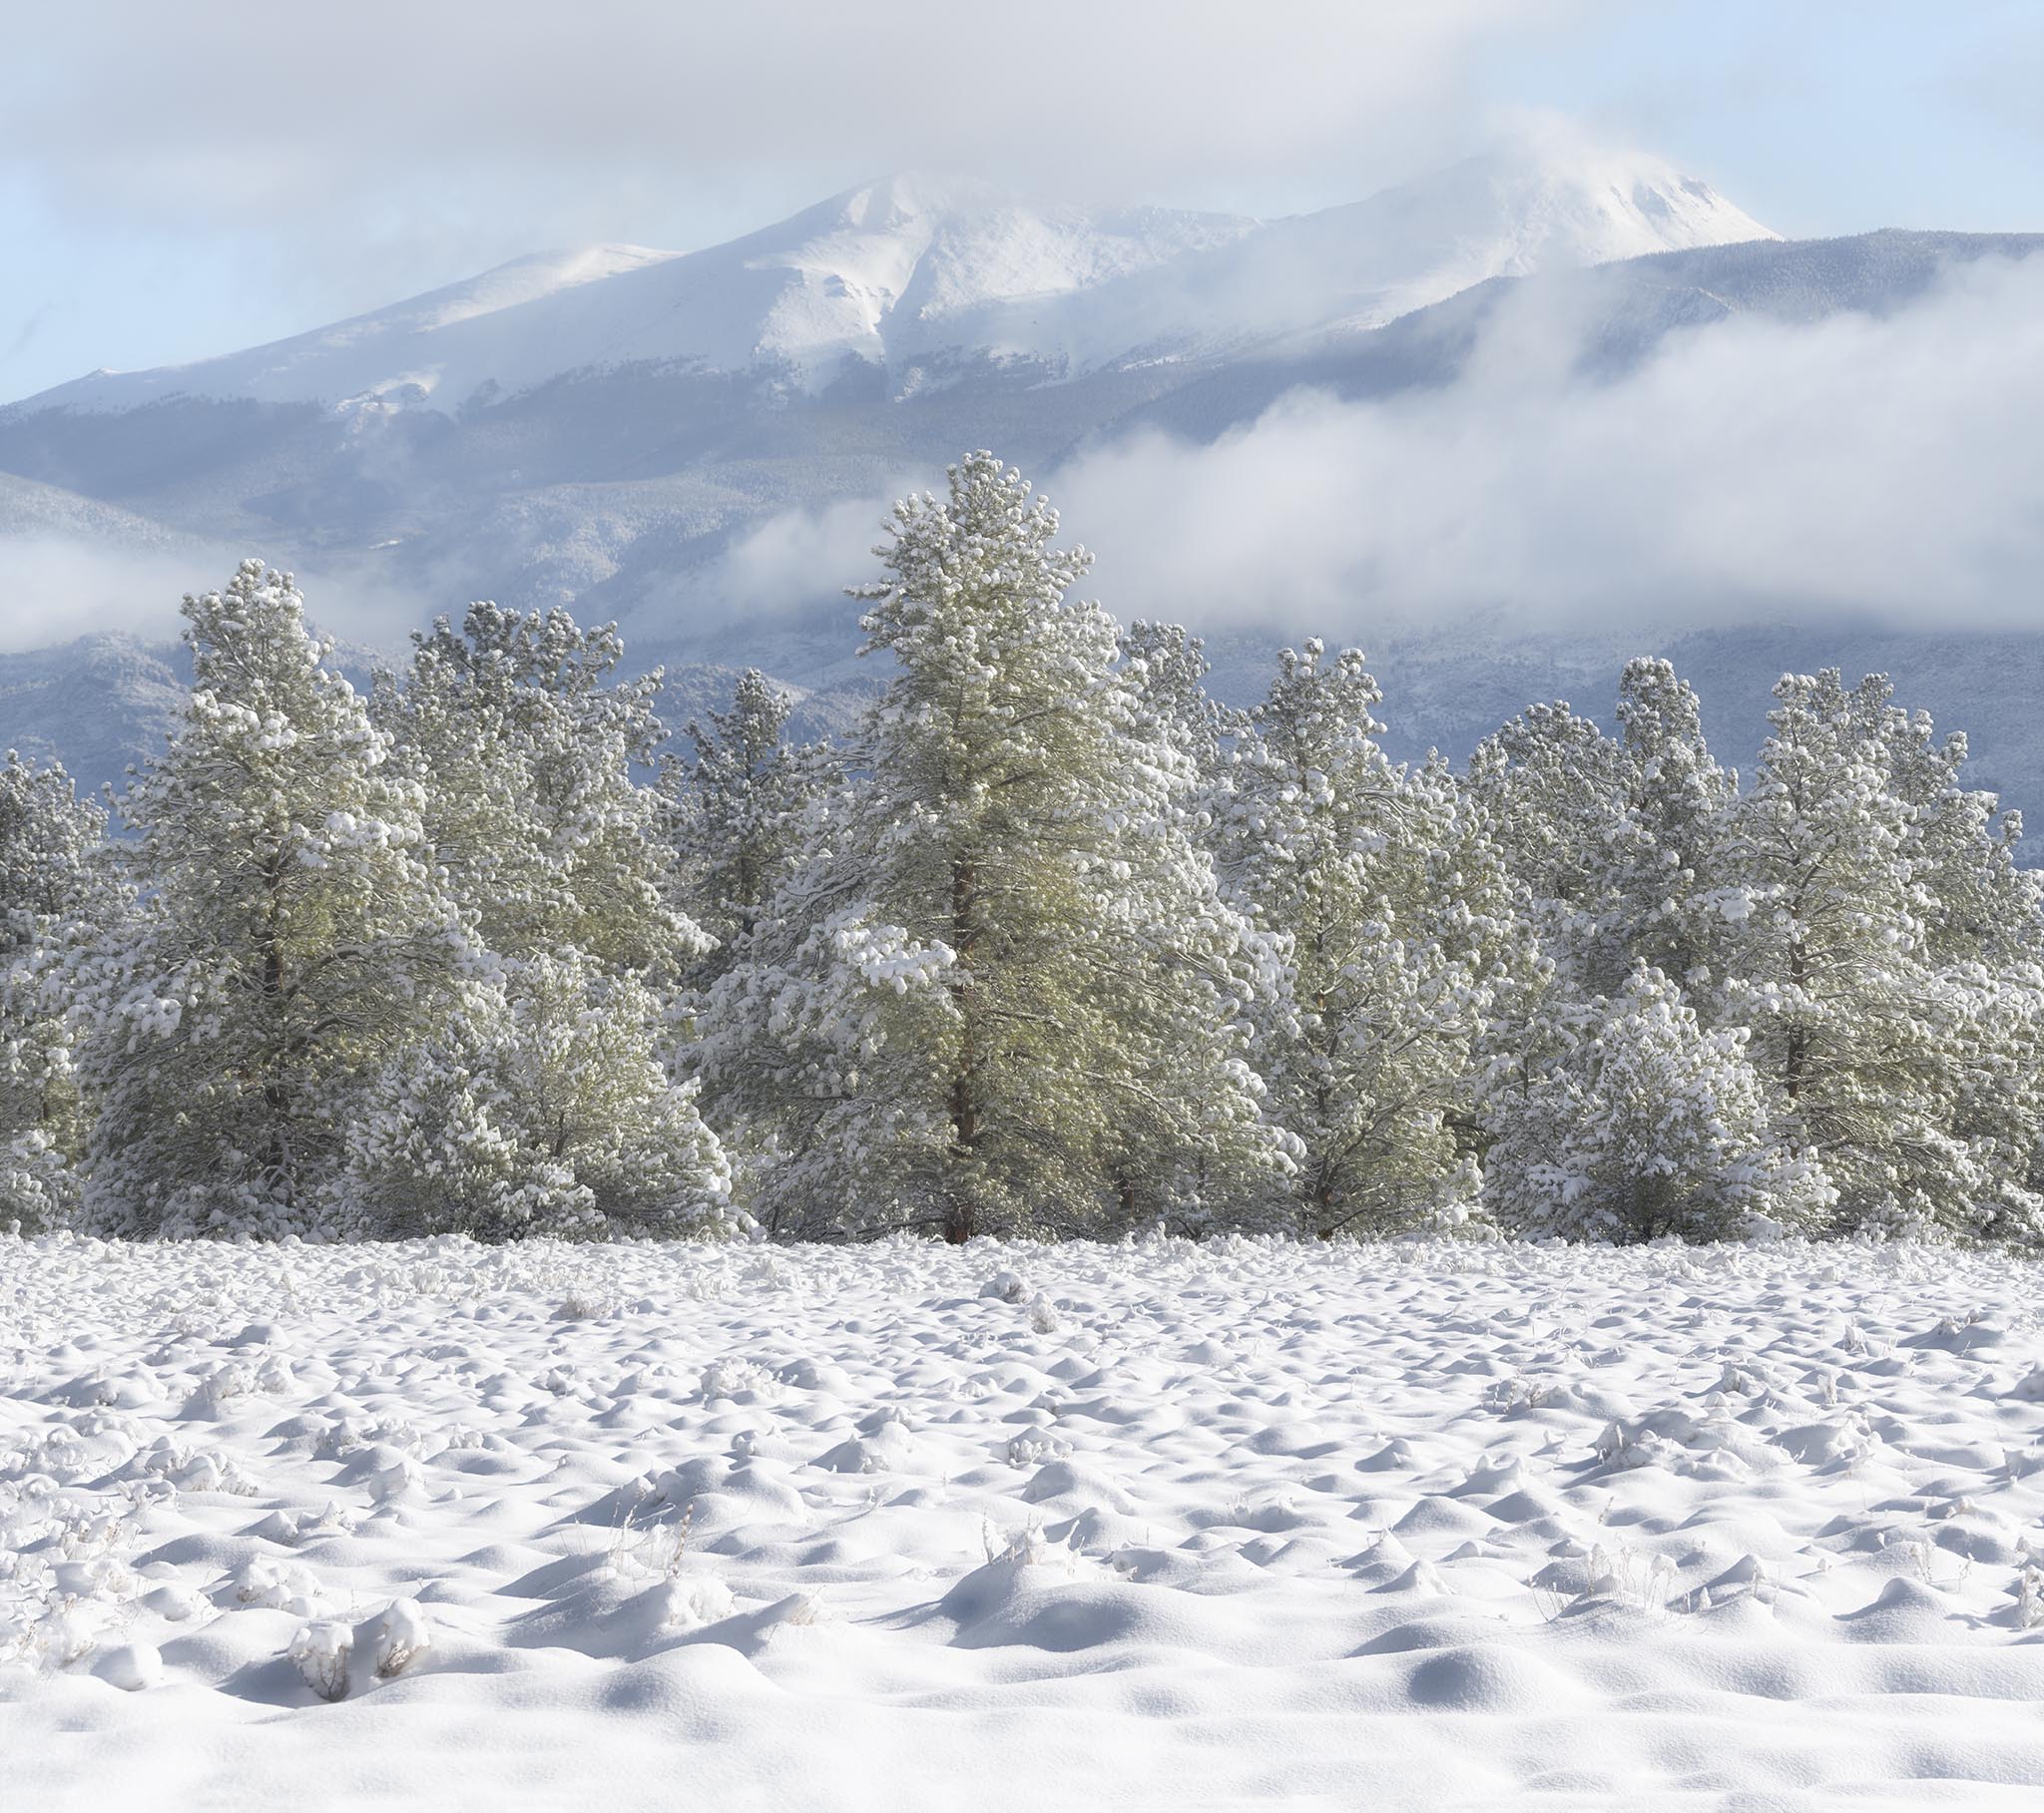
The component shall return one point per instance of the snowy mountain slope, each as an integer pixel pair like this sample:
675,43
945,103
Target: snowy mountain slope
619,492
614,429
1621,312
1534,205
96,705
912,273
28,507
883,274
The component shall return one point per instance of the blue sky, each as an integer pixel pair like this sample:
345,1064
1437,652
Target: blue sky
175,182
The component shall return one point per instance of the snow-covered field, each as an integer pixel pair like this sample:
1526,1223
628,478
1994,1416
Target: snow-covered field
1019,1528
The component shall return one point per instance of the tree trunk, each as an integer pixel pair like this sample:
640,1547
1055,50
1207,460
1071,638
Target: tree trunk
276,1101
960,1216
959,1220
1794,1056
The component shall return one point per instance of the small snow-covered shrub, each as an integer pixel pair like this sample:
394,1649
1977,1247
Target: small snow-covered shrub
321,1653
68,1634
687,1603
278,1587
731,1376
584,1304
403,1635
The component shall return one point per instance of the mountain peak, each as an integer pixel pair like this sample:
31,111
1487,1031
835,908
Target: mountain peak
924,275
912,194
1608,201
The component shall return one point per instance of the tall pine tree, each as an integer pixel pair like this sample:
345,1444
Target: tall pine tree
738,810
1393,940
1878,954
57,896
998,990
292,933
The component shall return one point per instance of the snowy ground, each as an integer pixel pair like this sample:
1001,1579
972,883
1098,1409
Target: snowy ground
1020,1527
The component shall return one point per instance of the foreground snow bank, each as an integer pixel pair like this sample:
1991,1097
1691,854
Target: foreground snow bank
1019,1526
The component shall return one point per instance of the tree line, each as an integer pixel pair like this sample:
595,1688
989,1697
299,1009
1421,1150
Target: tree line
1054,943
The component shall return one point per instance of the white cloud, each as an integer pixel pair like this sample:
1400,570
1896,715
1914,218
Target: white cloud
796,560
1875,467
56,586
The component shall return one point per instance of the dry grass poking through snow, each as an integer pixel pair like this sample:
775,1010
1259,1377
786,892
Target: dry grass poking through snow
1019,1528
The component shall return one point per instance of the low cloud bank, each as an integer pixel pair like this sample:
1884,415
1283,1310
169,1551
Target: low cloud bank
1881,470
1885,469
56,587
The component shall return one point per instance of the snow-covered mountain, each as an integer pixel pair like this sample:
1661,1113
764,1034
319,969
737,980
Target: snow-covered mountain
915,275
624,430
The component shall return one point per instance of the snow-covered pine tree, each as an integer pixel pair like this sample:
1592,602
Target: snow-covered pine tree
56,897
1166,668
1982,921
1615,840
292,934
1677,799
1184,972
738,808
997,989
537,1104
1618,846
1198,1187
1556,794
524,744
1878,1047
1644,1124
1343,858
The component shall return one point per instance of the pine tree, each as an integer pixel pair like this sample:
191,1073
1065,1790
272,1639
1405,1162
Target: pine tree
1668,870
1615,840
1619,848
524,744
738,807
1167,669
1556,794
997,989
292,934
1388,974
537,1104
1982,932
1874,1025
1646,1123
56,897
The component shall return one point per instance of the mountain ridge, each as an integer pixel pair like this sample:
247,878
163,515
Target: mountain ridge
630,489
913,270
